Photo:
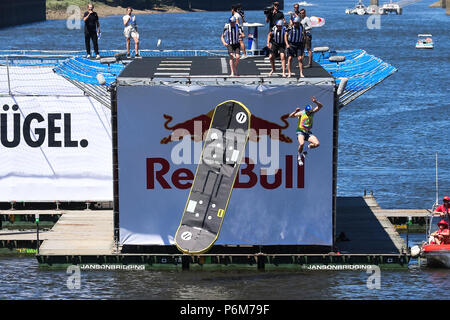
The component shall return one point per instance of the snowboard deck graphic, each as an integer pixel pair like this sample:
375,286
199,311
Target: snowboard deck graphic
213,183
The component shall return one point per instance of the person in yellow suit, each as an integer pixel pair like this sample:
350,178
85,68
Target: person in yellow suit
305,123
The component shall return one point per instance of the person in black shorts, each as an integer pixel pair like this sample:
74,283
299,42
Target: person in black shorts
274,15
295,45
231,37
91,29
277,46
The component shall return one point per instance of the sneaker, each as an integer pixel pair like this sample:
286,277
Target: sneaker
307,66
88,56
299,159
97,57
137,56
128,55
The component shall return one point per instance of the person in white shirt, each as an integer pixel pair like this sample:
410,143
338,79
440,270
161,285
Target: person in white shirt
306,22
130,31
240,21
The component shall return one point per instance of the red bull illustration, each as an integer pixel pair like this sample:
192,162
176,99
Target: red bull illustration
198,126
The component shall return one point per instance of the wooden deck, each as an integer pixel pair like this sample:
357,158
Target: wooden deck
83,232
367,232
90,232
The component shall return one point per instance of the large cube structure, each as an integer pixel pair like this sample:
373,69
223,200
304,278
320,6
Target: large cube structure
162,108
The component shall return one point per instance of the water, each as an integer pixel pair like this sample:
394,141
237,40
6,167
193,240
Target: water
387,144
23,279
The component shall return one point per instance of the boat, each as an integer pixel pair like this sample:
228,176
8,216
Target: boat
436,255
359,9
424,41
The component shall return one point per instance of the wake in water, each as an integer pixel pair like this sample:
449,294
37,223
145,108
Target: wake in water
306,4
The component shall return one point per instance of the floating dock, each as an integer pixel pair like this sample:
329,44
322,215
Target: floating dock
86,237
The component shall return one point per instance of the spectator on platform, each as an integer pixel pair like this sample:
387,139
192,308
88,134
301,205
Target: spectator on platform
295,45
294,14
91,30
306,22
274,15
131,31
231,36
277,46
236,12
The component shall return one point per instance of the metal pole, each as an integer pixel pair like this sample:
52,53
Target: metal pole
37,232
407,234
437,183
7,73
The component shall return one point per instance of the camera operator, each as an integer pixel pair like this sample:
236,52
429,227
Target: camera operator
273,15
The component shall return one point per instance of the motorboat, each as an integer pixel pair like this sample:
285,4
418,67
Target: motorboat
359,9
424,41
436,255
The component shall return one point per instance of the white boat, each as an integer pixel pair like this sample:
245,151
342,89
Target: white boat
359,9
424,41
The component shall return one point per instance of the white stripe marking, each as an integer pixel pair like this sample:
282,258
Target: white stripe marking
171,74
223,62
174,69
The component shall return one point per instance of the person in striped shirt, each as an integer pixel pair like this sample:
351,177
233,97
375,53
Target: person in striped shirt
295,45
277,46
231,36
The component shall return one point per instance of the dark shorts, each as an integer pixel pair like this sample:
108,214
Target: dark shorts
277,49
234,48
308,42
305,134
296,49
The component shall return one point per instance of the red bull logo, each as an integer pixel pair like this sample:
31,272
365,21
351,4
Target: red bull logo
292,176
159,174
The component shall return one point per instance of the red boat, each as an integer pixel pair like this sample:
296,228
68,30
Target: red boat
437,255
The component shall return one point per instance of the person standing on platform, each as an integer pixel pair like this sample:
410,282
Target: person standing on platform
307,25
305,123
235,12
274,15
294,14
277,46
295,46
231,36
91,30
130,31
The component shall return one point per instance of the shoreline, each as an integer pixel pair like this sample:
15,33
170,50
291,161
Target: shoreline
106,11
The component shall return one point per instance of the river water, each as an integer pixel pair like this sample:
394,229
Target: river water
387,143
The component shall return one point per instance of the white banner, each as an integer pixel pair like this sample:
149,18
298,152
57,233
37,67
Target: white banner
274,201
55,148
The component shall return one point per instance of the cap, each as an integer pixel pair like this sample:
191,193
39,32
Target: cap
308,108
232,19
443,222
280,22
297,20
446,199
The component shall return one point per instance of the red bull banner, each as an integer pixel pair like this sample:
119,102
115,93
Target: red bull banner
160,131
